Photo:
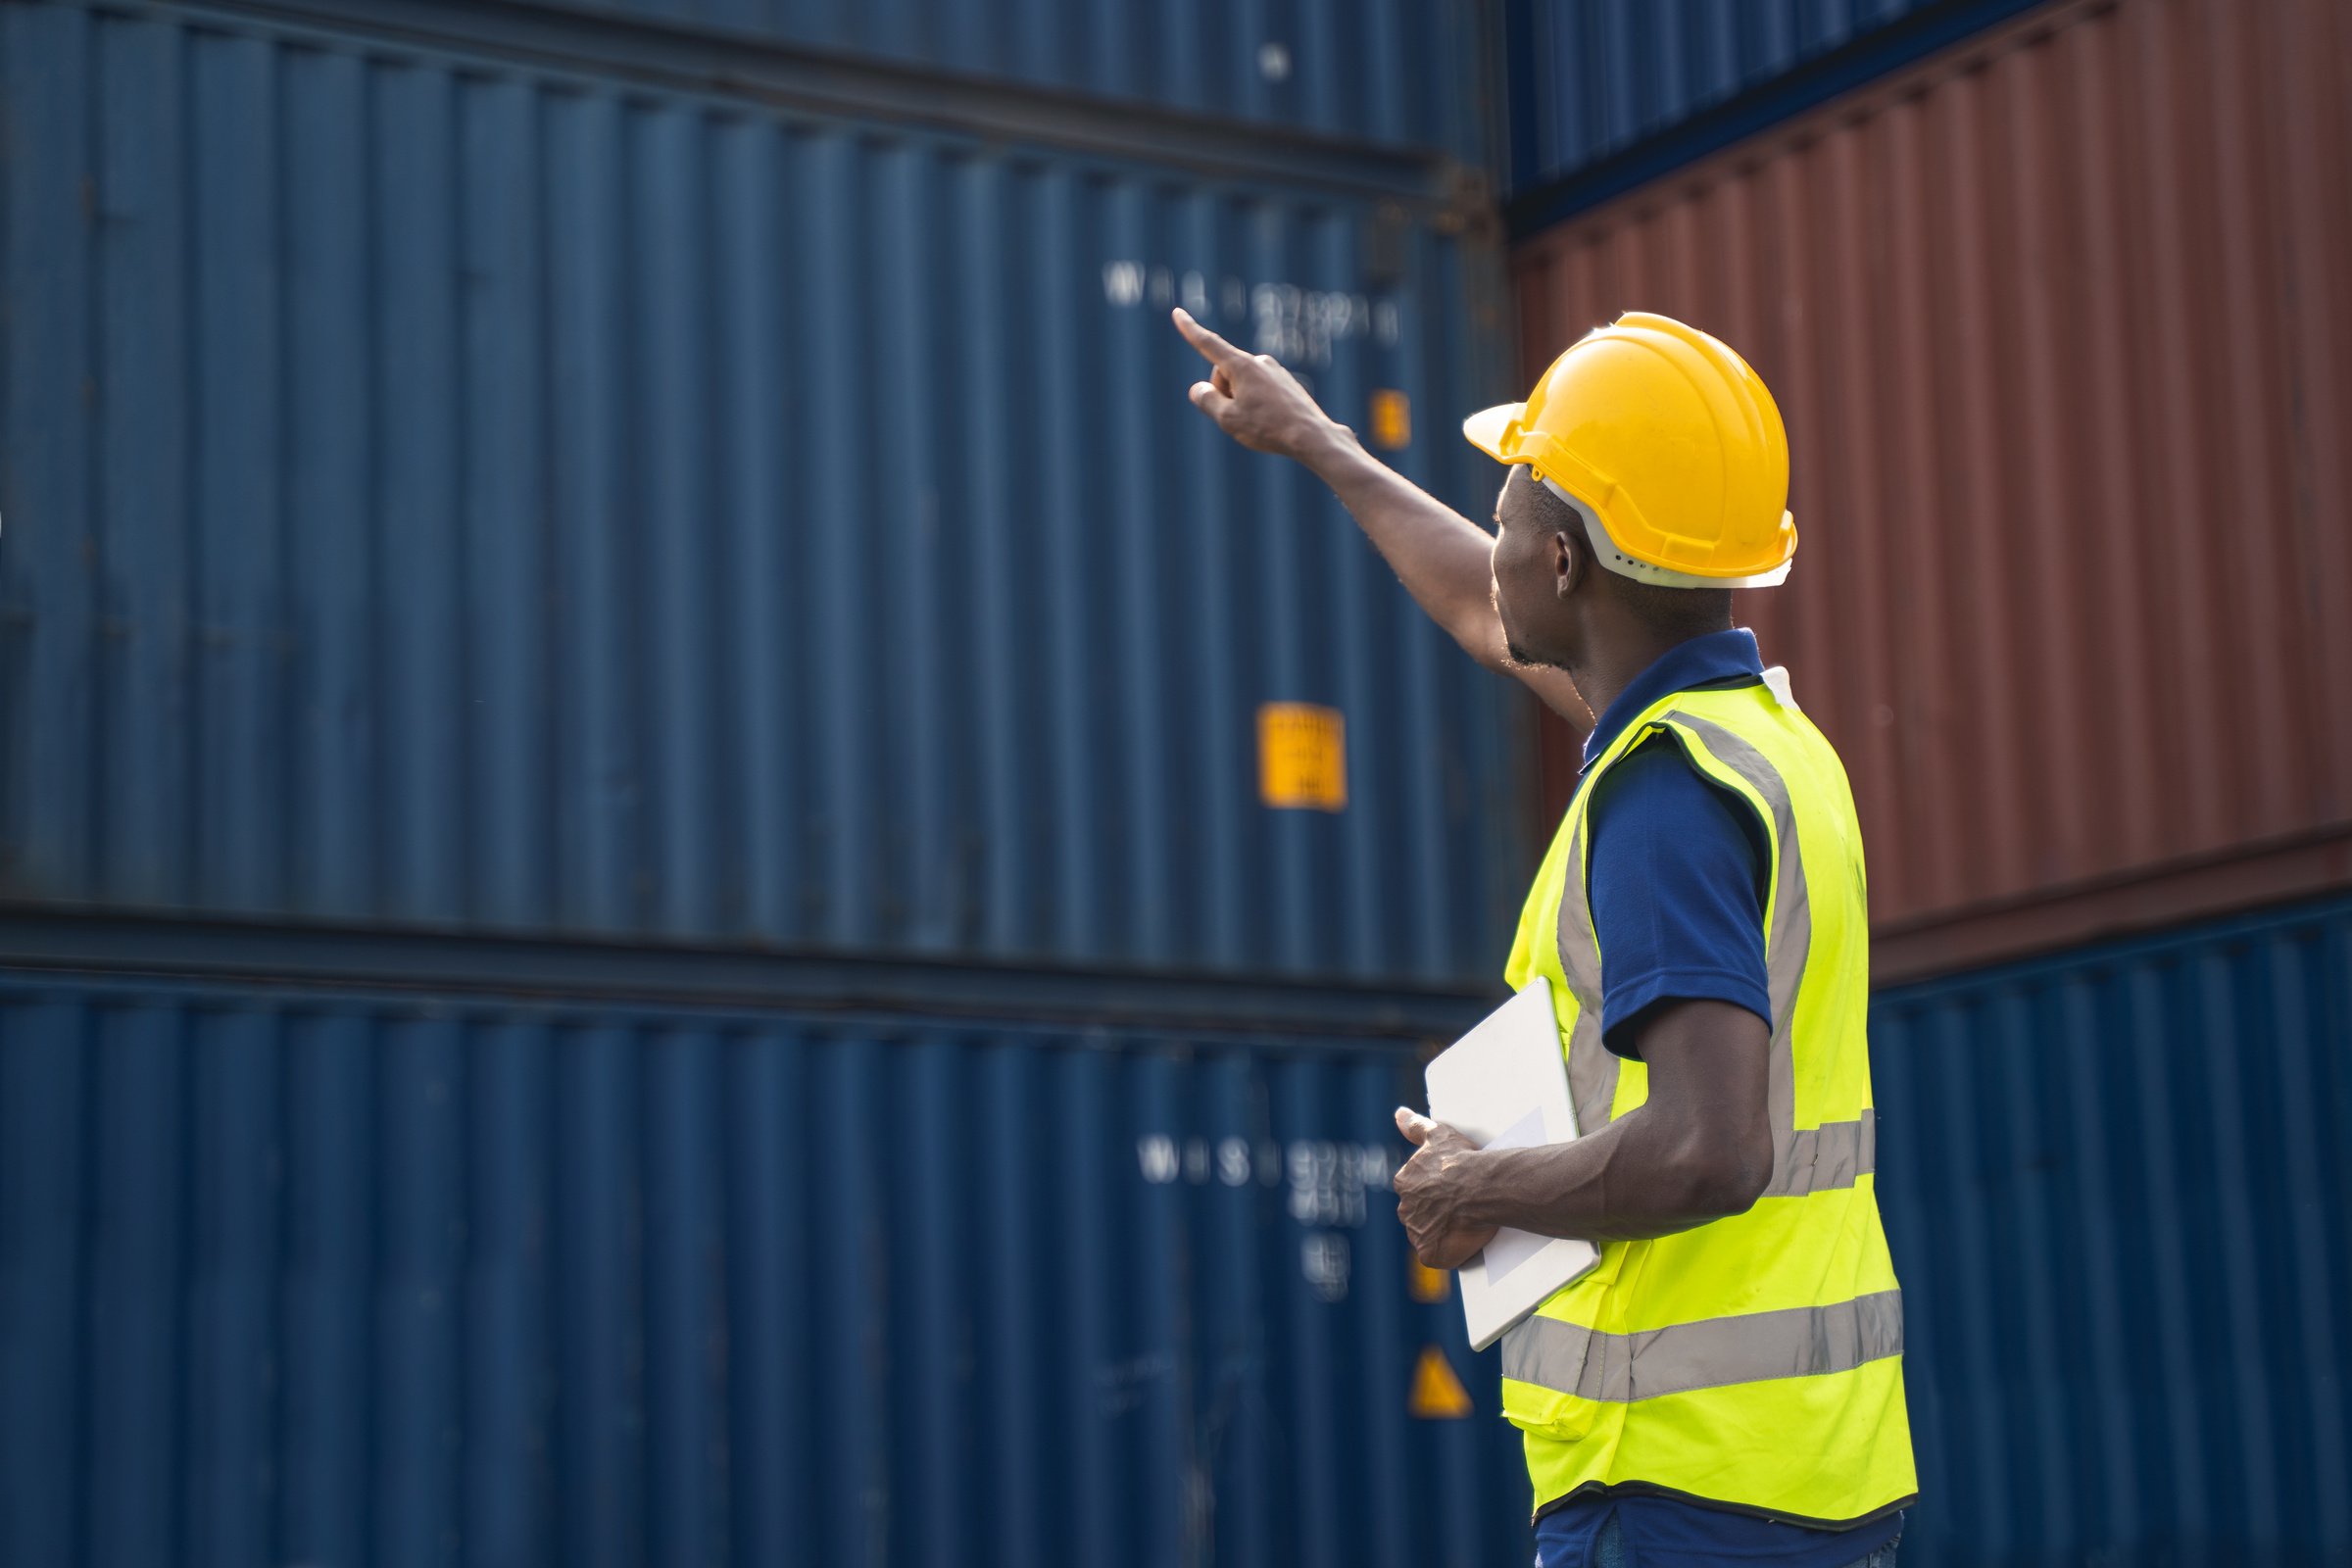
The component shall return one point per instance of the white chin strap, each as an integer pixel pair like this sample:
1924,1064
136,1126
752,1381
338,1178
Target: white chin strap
1605,545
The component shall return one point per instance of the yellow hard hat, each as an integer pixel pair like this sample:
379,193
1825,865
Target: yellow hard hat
1667,439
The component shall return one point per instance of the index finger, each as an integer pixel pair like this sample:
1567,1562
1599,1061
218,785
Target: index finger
1215,349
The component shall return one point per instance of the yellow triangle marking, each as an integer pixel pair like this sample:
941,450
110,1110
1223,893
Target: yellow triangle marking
1437,1394
1429,1283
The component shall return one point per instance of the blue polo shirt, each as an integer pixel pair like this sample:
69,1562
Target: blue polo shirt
1676,883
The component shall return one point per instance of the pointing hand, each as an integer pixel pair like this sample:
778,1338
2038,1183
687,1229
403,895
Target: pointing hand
1252,396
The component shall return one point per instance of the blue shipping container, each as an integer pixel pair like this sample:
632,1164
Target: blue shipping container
448,489
1608,94
333,1276
1405,72
2115,1183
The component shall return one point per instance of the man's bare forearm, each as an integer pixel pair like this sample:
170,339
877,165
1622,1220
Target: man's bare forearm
1698,1148
1441,557
1635,1178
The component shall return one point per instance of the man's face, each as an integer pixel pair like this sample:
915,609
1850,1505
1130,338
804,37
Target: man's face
1537,627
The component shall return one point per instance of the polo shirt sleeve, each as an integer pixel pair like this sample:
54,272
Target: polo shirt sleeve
1675,877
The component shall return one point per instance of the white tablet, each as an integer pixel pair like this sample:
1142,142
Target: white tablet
1504,1085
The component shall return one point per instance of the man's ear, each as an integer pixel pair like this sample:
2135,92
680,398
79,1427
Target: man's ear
1567,565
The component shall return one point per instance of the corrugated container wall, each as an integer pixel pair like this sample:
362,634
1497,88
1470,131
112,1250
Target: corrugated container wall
2061,330
2114,1183
1393,72
317,1276
455,491
1606,94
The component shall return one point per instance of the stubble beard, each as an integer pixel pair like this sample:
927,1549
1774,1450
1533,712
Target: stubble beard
1515,656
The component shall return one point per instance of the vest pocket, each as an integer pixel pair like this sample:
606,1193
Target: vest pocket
1551,1357
1546,1412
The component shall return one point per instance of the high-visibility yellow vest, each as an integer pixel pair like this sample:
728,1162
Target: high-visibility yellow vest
1756,1362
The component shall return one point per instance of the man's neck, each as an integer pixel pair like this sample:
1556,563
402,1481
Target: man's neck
1603,678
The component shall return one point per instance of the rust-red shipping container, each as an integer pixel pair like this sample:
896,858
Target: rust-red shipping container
2061,323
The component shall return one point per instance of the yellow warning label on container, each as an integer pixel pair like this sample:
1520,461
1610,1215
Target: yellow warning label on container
1392,419
1429,1283
1437,1394
1301,757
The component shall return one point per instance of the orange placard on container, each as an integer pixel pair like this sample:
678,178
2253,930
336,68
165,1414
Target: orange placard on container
1392,419
1437,1394
1301,757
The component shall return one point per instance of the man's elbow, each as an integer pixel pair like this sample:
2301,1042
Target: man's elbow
1726,1176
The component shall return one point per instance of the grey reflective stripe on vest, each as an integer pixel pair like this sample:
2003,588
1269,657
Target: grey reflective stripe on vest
1818,1159
1791,934
1808,1159
1713,1353
1591,1069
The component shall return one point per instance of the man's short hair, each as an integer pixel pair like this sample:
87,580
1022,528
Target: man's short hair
1678,613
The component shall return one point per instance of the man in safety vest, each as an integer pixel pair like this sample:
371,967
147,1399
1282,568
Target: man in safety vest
1726,1386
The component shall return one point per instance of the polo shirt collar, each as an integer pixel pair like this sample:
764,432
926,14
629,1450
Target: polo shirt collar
1719,659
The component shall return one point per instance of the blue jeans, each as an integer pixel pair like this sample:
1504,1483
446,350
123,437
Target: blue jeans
1608,1550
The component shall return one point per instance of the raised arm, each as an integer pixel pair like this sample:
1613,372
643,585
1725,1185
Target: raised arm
1441,556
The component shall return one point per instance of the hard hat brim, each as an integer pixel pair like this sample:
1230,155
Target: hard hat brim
1487,428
